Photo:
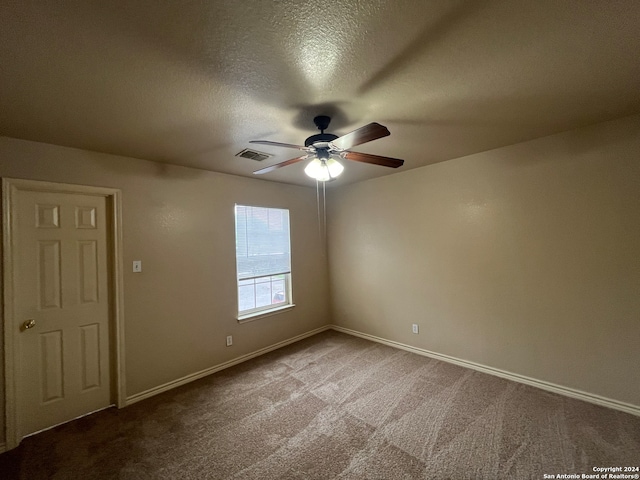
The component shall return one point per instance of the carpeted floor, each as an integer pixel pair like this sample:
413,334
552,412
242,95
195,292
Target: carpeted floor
336,406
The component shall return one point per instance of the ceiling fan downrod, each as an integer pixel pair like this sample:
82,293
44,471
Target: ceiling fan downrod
322,122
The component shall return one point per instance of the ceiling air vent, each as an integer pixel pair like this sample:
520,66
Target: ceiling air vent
253,155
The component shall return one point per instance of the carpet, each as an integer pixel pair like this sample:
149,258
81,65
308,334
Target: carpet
334,406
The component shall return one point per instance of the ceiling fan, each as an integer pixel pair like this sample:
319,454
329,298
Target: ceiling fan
325,148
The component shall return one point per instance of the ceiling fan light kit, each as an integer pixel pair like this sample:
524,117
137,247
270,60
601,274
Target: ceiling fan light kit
323,170
323,148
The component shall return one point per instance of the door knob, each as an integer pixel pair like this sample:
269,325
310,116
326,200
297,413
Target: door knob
28,324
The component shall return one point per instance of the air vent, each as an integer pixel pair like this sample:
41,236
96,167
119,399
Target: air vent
253,155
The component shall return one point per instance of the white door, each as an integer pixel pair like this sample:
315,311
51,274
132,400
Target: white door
61,292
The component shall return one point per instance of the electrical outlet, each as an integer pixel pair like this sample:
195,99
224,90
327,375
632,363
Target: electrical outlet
229,340
415,328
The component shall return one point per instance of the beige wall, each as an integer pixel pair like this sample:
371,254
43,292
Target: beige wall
524,258
180,223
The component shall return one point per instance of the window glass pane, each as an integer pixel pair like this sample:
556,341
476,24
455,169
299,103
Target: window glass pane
277,288
246,297
263,294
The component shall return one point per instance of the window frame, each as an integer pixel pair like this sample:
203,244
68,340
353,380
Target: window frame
266,310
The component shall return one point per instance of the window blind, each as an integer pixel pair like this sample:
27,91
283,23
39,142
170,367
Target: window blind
262,241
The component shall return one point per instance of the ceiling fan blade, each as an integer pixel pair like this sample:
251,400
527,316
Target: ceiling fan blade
280,165
375,159
278,144
361,135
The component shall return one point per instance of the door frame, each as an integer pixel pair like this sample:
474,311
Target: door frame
10,189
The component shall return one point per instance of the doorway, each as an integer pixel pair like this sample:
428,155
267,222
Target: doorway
62,311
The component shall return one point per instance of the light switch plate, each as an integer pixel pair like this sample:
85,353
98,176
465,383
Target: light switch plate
137,266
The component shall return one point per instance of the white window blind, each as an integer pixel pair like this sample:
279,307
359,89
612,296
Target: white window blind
262,241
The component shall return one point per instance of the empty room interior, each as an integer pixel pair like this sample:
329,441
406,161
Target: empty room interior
306,239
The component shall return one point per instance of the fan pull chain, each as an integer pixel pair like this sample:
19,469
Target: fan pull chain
324,212
318,203
322,219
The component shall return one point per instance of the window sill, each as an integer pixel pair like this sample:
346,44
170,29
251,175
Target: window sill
264,313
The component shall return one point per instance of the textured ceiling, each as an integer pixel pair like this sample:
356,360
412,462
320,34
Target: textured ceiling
191,83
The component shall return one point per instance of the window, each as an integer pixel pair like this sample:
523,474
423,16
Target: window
263,260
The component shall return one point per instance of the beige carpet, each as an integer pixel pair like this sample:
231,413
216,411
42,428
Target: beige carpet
336,406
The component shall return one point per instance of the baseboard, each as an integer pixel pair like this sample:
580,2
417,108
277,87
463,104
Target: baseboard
551,387
208,371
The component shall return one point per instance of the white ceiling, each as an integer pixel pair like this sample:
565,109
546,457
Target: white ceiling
190,83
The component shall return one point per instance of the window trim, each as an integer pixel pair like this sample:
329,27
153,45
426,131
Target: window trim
250,317
267,310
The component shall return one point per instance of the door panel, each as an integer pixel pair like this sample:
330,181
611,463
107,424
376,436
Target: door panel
90,356
51,368
48,216
49,280
88,271
61,282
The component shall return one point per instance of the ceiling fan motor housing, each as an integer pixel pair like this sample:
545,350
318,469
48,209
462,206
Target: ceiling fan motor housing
320,137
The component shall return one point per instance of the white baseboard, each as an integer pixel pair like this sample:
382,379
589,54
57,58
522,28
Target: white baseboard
551,387
216,368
